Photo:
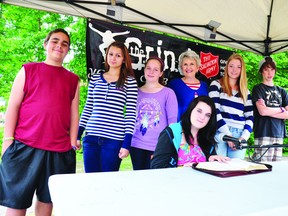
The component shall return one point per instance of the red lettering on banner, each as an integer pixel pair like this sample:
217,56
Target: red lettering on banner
209,64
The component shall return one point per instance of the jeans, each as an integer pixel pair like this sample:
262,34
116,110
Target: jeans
101,154
140,158
223,148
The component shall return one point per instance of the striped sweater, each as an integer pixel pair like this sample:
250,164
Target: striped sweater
231,110
110,112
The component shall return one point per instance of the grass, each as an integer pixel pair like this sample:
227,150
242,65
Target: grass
126,164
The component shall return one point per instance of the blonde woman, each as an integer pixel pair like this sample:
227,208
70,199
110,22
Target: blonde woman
188,86
234,106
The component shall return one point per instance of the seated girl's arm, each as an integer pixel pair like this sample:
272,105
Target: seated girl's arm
165,154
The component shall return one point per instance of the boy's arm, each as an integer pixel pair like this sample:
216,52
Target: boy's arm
283,114
75,119
12,112
275,112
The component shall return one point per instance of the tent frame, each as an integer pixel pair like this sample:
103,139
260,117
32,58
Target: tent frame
265,44
173,26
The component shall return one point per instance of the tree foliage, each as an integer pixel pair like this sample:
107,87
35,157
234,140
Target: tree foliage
22,36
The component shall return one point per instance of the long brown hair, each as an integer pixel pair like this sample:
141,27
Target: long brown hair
126,67
242,80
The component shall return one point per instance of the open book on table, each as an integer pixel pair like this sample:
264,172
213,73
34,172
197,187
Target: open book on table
233,167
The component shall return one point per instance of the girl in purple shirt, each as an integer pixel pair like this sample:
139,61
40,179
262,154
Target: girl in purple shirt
156,108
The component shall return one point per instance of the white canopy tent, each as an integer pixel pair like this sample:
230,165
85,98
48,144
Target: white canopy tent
258,26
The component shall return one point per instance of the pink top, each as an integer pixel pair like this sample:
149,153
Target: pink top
190,154
45,112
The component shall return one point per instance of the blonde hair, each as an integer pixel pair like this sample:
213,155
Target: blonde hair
188,54
241,82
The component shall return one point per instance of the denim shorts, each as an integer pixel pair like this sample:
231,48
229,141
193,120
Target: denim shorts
25,170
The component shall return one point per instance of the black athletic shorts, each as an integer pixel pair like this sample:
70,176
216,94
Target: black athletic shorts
25,170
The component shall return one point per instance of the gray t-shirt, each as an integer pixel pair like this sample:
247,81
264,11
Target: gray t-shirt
266,126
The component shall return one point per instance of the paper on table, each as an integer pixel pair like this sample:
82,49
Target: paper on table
233,164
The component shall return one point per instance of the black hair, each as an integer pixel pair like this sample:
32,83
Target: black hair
267,62
206,134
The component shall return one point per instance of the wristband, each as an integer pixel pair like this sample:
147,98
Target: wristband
8,138
282,109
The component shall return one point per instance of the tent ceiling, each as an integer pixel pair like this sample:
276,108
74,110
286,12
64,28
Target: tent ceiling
258,26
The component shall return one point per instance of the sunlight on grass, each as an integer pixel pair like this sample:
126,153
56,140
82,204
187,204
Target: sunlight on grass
126,164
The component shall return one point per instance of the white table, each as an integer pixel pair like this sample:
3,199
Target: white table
166,192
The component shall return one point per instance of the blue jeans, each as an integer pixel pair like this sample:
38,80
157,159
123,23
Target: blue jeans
223,148
101,154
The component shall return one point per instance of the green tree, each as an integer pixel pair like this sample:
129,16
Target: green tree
22,34
281,79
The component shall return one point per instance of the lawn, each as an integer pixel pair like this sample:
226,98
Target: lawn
126,164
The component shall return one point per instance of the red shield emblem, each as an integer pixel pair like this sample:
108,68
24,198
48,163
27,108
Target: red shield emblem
209,64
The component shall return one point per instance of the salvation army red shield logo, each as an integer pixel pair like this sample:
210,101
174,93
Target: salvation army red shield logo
209,64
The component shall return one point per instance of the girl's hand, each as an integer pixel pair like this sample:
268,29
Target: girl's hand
218,158
188,165
231,145
123,153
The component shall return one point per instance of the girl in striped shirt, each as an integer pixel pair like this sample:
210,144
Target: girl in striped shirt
234,106
109,115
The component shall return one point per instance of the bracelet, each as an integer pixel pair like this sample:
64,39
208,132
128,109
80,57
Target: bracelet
282,109
8,138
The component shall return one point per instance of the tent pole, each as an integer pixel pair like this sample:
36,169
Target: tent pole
267,41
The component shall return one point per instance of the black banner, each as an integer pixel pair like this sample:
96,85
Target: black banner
142,43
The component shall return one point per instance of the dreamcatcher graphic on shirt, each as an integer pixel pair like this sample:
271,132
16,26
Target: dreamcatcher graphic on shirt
148,116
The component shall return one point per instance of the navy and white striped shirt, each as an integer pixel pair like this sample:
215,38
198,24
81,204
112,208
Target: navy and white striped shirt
232,111
110,112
